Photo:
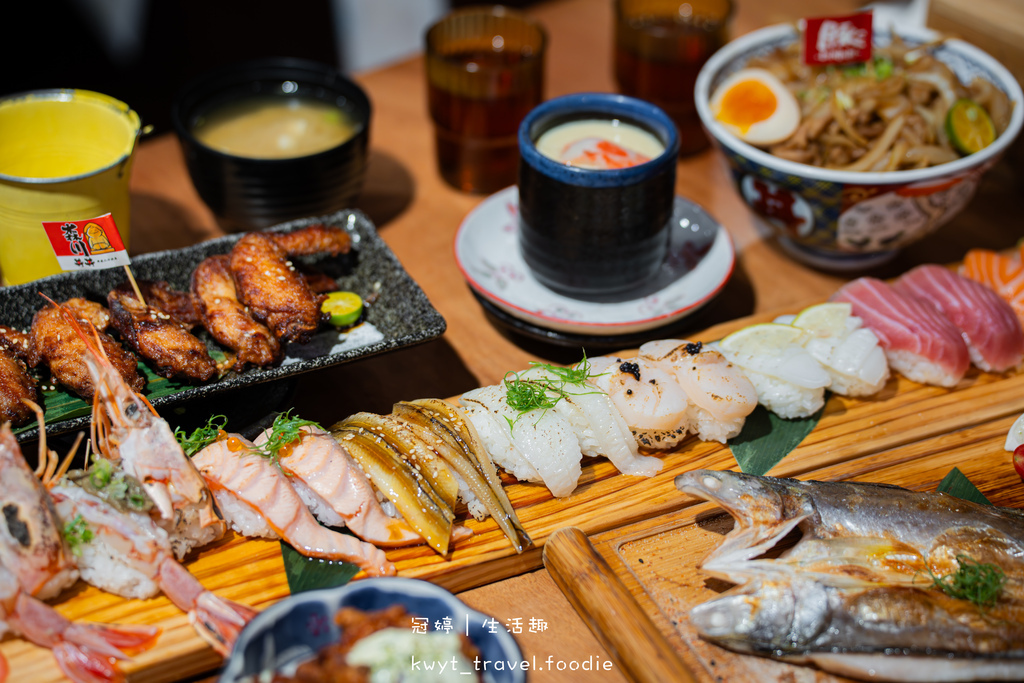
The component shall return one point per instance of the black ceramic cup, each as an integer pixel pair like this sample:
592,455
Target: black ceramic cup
246,193
595,234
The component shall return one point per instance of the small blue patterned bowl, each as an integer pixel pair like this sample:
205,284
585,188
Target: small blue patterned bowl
845,220
298,627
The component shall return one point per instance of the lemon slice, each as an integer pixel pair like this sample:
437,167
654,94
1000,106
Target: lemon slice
344,308
827,319
755,339
1016,435
969,126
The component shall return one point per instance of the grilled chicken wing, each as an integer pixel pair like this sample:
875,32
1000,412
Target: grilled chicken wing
15,384
16,343
162,297
273,290
56,342
159,337
316,239
213,290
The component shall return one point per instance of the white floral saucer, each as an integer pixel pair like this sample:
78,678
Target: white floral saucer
699,263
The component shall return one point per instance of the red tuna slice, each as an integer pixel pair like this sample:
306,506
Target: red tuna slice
920,343
988,324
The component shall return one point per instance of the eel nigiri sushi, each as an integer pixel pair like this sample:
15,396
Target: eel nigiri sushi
650,400
919,342
720,394
1002,274
988,324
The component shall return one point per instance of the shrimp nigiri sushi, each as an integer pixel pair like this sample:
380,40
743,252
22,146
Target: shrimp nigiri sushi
651,401
920,343
988,324
788,380
848,351
719,393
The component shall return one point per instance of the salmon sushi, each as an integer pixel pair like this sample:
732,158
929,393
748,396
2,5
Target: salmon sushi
1002,274
988,325
920,343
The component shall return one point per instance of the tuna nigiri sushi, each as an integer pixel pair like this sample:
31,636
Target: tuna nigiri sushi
919,342
989,327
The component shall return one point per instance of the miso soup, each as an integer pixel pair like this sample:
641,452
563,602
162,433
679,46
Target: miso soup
275,127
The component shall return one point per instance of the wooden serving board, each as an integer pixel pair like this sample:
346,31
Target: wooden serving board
657,559
907,433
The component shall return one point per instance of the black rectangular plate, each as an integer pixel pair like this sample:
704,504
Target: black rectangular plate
401,311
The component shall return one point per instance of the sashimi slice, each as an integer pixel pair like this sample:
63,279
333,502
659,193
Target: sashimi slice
919,342
544,438
1003,274
599,426
989,326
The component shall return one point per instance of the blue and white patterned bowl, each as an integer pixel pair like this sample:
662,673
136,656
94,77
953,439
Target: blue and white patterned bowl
297,628
845,220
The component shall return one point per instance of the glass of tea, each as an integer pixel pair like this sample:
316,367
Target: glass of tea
660,46
485,71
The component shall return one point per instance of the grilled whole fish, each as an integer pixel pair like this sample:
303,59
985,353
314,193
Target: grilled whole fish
855,595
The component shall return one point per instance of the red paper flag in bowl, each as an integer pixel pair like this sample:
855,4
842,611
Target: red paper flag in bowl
837,40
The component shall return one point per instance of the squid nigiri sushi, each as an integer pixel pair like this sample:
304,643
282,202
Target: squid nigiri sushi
988,324
719,393
849,352
920,343
788,380
650,400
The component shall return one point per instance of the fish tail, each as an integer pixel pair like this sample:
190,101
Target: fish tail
83,665
218,621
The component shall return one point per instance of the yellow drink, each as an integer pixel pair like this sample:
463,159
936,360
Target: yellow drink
64,155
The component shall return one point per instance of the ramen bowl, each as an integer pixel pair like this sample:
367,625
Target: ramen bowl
845,220
247,185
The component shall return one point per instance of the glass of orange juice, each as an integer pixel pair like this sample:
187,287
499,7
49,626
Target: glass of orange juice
64,155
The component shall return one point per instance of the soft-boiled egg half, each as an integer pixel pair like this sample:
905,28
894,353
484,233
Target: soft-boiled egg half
756,106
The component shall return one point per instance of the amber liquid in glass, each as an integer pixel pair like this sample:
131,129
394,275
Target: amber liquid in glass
658,59
477,147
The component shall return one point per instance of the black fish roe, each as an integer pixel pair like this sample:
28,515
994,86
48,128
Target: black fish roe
693,348
631,368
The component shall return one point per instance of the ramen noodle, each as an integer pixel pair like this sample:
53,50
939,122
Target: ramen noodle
888,114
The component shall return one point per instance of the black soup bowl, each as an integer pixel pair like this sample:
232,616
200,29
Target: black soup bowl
247,193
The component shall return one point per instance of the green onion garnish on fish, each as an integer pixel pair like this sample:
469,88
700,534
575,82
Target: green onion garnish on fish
202,436
285,430
978,582
77,532
543,393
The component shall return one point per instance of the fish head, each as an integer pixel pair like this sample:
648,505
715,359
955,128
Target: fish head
774,616
764,509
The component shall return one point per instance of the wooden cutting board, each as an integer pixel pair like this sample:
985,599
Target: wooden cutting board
656,559
907,433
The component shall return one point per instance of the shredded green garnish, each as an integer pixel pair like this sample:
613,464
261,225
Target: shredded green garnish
284,431
77,532
526,395
883,67
202,436
979,582
100,472
111,484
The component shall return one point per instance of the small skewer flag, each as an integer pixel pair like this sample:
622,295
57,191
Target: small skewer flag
89,244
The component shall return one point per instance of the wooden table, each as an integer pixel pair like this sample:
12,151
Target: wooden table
417,214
